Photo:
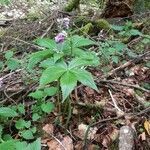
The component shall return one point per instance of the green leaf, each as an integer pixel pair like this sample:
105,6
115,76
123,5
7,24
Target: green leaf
13,64
1,131
115,59
50,91
46,63
21,108
57,56
85,78
1,65
37,94
48,107
36,145
79,41
35,116
20,124
7,112
117,28
38,57
8,145
135,32
21,146
145,41
33,129
78,52
28,124
67,82
7,137
5,2
51,74
131,54
47,43
9,54
27,134
119,46
147,64
78,62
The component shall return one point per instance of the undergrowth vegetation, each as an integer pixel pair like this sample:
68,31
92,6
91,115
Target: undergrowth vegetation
58,68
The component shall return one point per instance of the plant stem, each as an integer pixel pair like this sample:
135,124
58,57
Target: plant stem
69,111
58,98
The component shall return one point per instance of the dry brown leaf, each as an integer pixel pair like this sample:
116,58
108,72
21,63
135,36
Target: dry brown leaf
44,141
89,91
53,145
79,145
110,137
147,126
129,92
66,144
48,128
82,130
142,136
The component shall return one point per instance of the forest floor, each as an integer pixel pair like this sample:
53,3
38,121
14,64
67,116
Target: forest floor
96,118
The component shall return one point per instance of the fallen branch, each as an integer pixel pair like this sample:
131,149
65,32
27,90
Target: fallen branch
127,64
147,110
98,81
11,73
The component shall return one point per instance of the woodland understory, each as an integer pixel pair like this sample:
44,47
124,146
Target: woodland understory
74,75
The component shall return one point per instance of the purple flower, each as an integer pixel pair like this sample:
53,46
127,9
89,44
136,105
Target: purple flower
66,22
63,23
60,37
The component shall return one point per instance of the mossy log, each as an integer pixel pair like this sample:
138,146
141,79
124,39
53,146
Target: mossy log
88,26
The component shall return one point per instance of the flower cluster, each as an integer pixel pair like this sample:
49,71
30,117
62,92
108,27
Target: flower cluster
60,37
63,23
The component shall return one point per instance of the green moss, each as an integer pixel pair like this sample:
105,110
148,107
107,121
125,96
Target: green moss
102,24
81,21
87,28
72,4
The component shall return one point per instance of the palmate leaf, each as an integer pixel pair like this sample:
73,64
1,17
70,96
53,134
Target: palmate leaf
51,74
79,41
79,62
38,56
85,78
47,43
67,82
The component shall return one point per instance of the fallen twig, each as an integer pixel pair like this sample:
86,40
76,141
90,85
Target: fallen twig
98,81
44,34
119,111
7,75
58,141
127,64
25,42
